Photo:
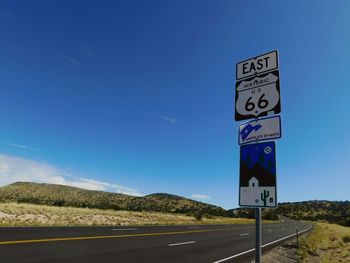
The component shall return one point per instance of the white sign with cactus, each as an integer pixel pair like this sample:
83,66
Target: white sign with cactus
258,196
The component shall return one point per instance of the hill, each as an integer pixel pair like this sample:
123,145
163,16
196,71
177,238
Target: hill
61,195
331,211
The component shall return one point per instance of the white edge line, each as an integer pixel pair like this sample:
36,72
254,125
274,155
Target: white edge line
283,238
267,244
183,243
123,229
244,234
234,256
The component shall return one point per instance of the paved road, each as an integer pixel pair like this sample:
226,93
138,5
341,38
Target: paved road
200,243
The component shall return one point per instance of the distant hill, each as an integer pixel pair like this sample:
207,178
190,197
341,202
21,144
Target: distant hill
331,211
61,195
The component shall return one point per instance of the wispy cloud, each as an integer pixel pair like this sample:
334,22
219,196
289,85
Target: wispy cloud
152,89
7,15
22,146
72,60
167,118
14,169
200,196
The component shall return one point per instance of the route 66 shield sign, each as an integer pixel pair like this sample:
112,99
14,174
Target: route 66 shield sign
258,96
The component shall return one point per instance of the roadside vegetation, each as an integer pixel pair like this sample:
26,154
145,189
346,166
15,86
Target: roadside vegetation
14,214
326,243
33,204
67,196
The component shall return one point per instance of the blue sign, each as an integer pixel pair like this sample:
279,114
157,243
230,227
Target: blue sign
260,130
257,179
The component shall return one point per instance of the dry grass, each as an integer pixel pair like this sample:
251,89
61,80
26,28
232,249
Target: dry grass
13,214
326,243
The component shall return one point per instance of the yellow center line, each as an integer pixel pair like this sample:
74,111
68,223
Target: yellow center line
44,240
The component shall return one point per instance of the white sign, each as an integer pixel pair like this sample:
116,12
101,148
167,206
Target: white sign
254,66
258,96
260,130
252,196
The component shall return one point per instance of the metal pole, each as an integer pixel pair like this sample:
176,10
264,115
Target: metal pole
297,232
257,229
257,235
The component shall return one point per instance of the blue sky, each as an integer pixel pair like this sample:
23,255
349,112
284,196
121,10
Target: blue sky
138,96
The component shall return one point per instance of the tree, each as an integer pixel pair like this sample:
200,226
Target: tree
249,159
261,159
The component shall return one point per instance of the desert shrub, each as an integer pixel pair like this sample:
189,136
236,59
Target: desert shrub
270,215
198,215
346,239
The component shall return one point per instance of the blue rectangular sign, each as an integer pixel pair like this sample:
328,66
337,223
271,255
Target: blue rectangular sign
257,180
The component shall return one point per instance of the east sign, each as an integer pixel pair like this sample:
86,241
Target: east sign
257,65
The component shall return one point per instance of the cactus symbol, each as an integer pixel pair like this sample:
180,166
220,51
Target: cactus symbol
264,196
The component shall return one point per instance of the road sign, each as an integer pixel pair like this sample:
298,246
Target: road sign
257,181
258,96
260,130
257,65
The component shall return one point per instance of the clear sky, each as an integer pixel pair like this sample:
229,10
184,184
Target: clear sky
138,96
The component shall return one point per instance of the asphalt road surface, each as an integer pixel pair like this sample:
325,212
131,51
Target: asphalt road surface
190,243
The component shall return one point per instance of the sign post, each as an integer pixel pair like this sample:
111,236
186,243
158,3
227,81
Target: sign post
257,235
257,94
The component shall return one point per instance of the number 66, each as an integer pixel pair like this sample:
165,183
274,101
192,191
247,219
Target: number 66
262,103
